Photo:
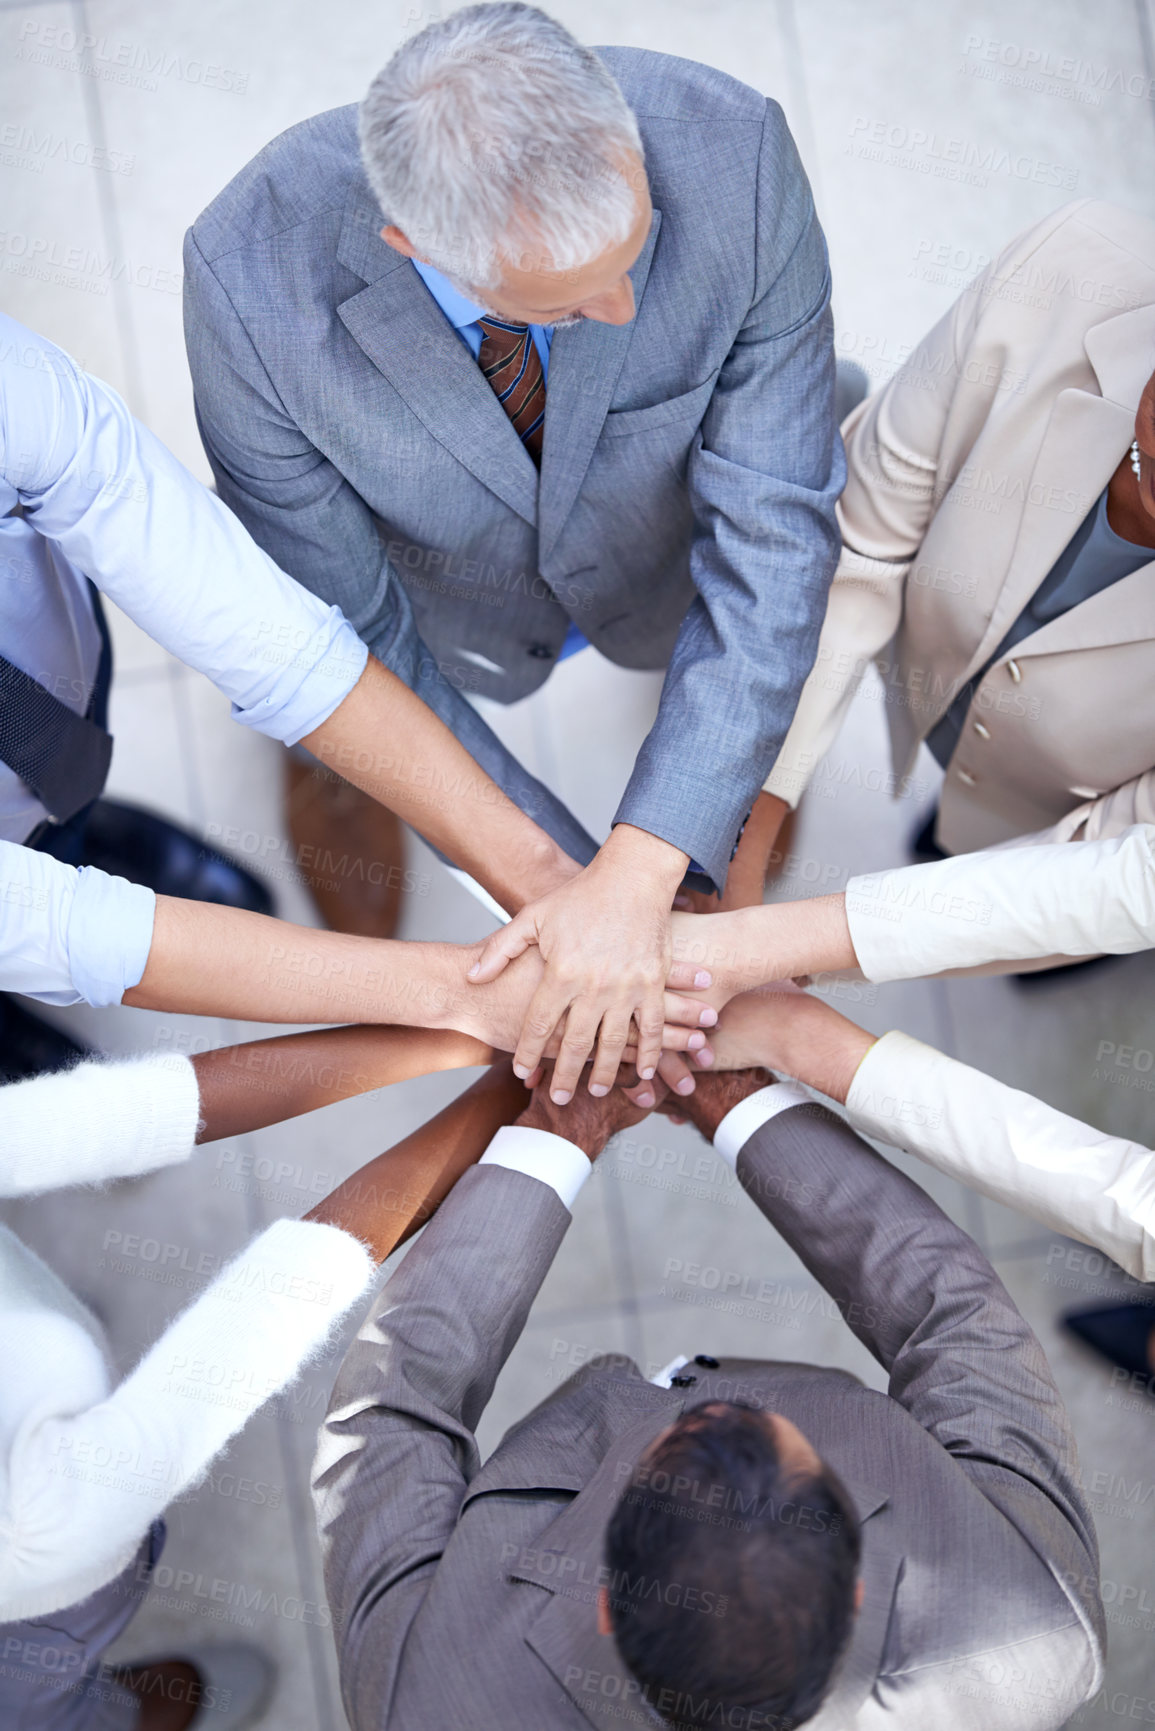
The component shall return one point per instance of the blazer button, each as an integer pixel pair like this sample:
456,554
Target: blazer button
683,1381
541,651
966,777
1015,672
983,732
706,1362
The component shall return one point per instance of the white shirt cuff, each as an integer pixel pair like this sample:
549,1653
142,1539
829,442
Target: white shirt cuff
542,1155
750,1114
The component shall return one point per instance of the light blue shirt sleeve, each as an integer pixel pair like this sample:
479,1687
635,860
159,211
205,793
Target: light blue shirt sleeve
119,508
68,935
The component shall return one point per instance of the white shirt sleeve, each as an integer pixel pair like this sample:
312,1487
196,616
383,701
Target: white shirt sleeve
1099,1189
84,1483
122,510
69,934
96,1122
749,1115
1077,898
539,1154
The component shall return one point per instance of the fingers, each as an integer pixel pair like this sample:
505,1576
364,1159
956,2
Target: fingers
676,1074
546,1008
688,977
581,1030
642,1094
688,1012
616,1034
650,1020
503,947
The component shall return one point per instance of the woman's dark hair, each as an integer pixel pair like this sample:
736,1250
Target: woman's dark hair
731,1578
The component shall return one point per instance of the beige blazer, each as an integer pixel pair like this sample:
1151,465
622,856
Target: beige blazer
968,474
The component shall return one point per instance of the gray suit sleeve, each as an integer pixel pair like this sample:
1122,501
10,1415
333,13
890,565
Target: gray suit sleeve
301,510
397,1449
922,1297
764,476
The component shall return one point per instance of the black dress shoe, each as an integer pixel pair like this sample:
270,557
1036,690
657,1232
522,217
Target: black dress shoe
147,849
30,1047
1121,1332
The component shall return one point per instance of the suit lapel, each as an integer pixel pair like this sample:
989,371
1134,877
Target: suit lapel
1124,613
584,362
1084,441
403,331
567,1562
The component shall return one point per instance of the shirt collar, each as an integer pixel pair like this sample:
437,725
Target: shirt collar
458,309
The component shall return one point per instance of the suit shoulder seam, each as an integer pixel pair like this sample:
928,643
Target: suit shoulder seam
270,234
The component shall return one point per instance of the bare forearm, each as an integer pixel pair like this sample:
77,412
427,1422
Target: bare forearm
263,1082
429,779
385,1202
823,1050
746,879
208,960
756,945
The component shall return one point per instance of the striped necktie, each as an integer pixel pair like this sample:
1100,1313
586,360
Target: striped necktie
510,361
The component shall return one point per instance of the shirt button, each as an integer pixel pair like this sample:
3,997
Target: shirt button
983,732
966,777
1015,672
541,651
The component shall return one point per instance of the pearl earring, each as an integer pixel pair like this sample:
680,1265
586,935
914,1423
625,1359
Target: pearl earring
1135,458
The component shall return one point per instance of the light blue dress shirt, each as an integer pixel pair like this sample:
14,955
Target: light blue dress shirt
463,315
86,491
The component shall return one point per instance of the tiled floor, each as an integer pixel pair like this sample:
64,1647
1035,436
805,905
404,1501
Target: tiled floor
928,147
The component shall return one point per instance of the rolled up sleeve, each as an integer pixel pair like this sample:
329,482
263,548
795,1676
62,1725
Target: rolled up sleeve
121,509
68,935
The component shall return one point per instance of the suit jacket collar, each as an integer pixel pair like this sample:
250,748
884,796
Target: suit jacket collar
403,331
409,340
566,1561
1085,437
1122,352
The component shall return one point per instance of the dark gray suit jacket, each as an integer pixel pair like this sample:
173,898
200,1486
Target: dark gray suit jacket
464,1595
685,511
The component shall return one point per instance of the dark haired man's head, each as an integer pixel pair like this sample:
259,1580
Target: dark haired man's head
732,1558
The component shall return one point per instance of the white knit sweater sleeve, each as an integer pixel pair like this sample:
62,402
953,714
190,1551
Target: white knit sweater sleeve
1076,898
96,1122
84,1485
1006,1144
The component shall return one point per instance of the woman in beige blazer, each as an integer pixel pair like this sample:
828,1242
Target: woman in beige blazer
971,474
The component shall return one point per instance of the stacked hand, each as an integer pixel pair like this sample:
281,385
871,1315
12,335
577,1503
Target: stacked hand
604,938
503,1013
589,1121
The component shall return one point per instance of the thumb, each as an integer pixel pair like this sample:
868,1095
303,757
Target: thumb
502,947
688,977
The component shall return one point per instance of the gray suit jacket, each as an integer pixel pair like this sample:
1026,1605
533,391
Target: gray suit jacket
685,509
465,1594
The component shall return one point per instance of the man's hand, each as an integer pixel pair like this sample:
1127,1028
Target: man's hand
497,1012
589,1121
605,941
714,1096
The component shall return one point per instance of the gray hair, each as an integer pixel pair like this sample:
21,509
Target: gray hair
493,134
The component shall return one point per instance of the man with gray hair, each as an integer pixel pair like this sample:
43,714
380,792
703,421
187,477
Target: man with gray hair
532,354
